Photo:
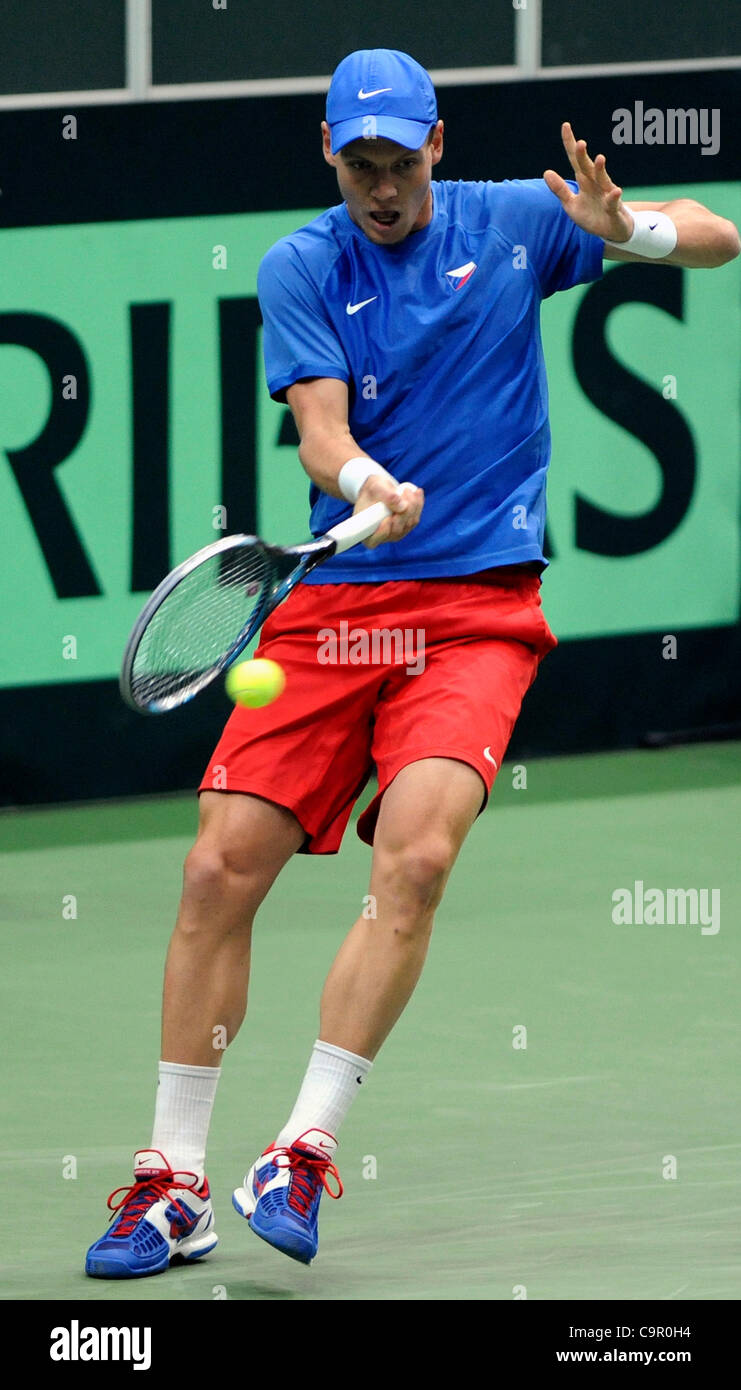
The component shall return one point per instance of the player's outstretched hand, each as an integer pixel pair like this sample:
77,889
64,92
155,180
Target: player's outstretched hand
596,207
405,501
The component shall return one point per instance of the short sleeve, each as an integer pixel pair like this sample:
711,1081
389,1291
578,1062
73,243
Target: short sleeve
298,340
559,253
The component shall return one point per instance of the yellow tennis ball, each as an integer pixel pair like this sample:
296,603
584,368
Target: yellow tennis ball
255,683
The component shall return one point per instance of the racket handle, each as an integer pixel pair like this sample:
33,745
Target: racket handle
358,527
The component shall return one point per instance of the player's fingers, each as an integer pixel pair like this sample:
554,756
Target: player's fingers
581,162
412,497
574,151
381,534
406,510
558,185
379,487
400,504
399,526
600,172
584,159
567,136
414,500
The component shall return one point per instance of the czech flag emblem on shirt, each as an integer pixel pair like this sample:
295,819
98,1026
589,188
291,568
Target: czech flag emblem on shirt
459,277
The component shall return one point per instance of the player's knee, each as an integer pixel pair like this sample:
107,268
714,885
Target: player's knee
416,875
211,880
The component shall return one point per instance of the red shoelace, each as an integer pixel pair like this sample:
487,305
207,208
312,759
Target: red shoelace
303,1185
139,1196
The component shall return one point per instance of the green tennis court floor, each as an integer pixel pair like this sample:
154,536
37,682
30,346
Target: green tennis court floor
601,1161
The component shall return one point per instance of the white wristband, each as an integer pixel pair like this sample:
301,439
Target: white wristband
353,474
654,234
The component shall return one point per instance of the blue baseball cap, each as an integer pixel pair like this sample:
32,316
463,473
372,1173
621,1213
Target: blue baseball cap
380,93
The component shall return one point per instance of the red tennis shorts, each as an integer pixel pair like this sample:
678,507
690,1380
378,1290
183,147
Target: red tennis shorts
383,674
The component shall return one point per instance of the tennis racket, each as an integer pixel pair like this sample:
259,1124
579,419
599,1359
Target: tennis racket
206,611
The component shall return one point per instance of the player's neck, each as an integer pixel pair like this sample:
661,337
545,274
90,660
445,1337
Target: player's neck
425,214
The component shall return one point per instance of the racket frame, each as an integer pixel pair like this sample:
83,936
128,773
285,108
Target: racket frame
307,556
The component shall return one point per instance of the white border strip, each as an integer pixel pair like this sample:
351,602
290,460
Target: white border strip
288,86
37,101
668,65
138,48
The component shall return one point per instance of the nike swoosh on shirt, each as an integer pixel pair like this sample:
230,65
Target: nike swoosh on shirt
363,96
353,308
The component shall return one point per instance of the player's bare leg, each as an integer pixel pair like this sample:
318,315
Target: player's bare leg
166,1214
424,818
243,842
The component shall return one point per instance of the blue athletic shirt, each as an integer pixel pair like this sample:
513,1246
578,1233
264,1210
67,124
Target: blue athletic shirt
444,363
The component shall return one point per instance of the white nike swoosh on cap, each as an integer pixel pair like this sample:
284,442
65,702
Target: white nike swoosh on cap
363,96
353,308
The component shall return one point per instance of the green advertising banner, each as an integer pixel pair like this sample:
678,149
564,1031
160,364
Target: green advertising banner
86,278
691,578
133,316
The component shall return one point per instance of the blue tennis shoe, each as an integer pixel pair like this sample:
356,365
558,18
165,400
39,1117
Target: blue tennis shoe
163,1216
281,1193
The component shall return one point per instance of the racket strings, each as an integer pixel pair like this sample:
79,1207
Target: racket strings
197,625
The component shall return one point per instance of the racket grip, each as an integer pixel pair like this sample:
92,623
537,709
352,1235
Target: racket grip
358,527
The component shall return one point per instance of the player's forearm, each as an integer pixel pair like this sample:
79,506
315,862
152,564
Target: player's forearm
323,453
704,239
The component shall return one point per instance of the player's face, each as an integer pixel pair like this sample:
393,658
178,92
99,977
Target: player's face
385,185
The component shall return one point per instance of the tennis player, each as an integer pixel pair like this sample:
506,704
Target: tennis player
402,328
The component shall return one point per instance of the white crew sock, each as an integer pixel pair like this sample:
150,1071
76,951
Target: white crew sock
182,1114
327,1092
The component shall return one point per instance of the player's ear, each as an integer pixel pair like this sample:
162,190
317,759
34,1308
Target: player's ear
436,143
327,145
